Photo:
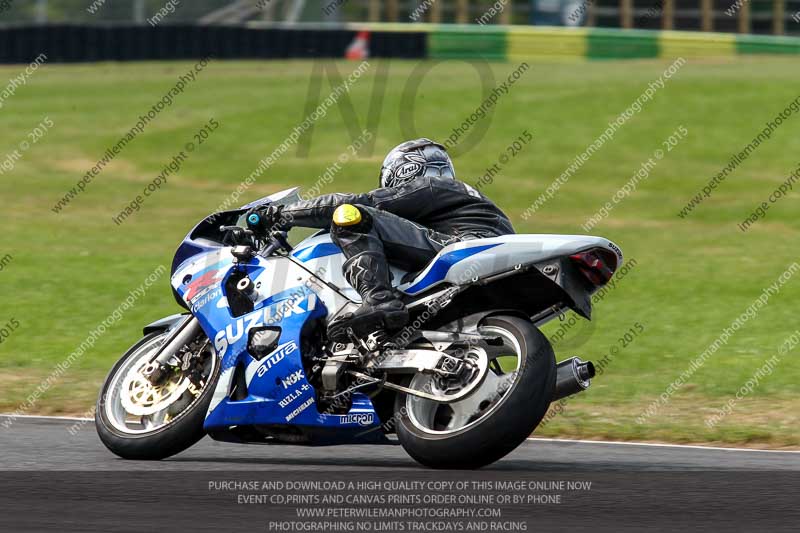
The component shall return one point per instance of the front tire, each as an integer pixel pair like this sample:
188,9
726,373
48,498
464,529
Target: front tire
437,440
174,433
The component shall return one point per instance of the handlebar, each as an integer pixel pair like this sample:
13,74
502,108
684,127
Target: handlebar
278,242
281,237
269,243
236,235
235,230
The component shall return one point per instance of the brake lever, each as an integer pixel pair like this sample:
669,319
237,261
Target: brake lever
236,229
235,233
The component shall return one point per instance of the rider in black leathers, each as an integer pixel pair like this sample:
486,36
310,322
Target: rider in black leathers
419,209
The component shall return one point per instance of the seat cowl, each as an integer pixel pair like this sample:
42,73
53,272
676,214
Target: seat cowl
464,261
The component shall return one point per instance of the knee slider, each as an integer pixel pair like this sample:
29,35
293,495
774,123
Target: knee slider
352,218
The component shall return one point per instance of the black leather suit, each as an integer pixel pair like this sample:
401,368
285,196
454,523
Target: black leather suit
411,222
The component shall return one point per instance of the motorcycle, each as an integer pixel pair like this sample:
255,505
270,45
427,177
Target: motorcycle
462,385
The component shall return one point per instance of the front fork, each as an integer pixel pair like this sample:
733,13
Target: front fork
158,367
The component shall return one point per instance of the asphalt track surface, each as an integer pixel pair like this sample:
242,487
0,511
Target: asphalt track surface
52,478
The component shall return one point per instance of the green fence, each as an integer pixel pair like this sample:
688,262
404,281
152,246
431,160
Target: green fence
557,43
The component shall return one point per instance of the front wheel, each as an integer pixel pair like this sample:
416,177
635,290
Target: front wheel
138,420
497,416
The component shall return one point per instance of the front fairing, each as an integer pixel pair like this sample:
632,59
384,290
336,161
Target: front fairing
289,297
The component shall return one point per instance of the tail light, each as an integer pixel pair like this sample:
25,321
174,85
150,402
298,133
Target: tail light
597,264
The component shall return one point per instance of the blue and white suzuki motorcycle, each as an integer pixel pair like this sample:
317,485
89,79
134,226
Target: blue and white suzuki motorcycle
465,383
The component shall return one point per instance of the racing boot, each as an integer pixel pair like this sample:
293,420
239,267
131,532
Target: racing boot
367,270
381,309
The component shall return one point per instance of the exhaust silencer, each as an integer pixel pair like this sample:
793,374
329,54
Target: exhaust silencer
572,376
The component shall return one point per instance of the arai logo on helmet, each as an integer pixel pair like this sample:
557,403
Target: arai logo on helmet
406,170
362,419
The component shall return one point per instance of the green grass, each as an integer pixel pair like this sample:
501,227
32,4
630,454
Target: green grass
693,277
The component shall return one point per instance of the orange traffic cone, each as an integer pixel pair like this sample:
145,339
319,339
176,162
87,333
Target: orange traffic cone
359,48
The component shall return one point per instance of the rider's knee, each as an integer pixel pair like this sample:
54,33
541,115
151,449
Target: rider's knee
351,217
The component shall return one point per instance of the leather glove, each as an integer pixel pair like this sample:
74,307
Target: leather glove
263,220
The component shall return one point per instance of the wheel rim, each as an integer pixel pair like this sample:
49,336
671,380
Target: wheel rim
134,406
441,419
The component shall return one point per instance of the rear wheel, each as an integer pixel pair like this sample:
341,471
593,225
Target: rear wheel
494,419
138,420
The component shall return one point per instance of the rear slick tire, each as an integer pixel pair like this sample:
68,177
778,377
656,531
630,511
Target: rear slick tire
507,425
